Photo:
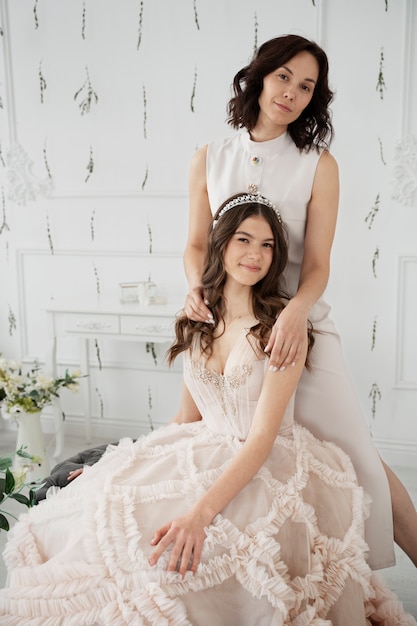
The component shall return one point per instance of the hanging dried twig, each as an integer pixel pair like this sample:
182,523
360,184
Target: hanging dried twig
255,43
140,27
45,160
49,234
150,408
98,355
144,110
90,95
196,15
372,213
193,90
145,179
380,85
97,277
150,348
1,158
373,342
4,225
12,321
381,152
93,215
42,81
90,165
374,260
150,237
35,14
375,395
83,22
100,399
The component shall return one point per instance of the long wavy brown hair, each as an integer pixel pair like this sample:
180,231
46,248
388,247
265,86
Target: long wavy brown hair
313,128
268,295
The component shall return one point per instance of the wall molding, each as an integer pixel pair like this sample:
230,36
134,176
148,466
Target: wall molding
405,287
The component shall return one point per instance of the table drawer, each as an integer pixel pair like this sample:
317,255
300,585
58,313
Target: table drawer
151,328
88,323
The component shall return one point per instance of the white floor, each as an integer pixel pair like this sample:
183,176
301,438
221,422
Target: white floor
402,578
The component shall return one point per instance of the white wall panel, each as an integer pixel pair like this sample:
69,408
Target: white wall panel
158,102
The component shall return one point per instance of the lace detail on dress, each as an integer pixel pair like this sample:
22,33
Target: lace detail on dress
226,383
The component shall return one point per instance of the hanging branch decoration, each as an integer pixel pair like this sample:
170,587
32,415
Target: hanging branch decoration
1,103
372,213
1,158
386,6
49,234
150,237
380,85
150,348
145,178
35,14
90,165
144,111
196,15
98,355
90,94
12,321
375,395
374,260
140,27
83,22
100,399
97,277
255,44
150,408
374,333
93,215
45,160
42,81
314,2
193,90
381,152
4,225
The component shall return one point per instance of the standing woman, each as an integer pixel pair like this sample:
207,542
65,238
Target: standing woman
281,99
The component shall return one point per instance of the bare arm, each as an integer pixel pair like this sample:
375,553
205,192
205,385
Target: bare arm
187,533
188,411
288,334
200,218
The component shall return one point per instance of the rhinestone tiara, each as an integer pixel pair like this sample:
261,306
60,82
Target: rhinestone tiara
244,199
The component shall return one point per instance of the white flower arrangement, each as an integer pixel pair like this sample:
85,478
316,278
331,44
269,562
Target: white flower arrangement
29,392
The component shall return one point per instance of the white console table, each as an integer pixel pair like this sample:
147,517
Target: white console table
112,320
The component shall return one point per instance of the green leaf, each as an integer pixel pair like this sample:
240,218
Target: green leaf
4,524
10,482
5,462
32,497
22,453
20,498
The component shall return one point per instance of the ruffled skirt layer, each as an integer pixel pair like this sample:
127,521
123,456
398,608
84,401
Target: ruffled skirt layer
288,550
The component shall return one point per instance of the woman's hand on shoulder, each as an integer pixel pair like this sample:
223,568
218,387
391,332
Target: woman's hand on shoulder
195,308
288,338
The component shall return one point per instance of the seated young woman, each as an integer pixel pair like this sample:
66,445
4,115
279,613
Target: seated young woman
233,514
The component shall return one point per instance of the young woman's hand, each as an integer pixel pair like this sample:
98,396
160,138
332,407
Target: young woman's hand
288,338
195,307
187,535
74,473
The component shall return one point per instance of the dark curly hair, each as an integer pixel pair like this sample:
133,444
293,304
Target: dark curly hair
268,295
313,128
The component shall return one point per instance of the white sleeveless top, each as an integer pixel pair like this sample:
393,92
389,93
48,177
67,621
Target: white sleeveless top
279,171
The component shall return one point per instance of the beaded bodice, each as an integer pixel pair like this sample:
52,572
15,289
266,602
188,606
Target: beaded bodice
227,401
